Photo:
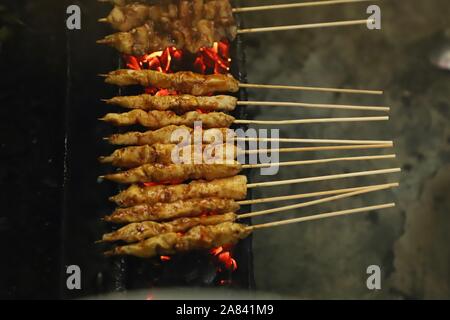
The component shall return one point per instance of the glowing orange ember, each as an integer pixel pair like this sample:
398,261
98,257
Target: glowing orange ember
223,256
159,61
215,59
165,258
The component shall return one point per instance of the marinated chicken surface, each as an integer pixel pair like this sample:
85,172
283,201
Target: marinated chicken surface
176,172
131,157
172,134
184,24
173,210
135,232
198,238
228,188
159,119
177,103
183,81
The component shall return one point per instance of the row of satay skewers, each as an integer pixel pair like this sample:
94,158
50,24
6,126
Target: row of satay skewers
191,24
164,214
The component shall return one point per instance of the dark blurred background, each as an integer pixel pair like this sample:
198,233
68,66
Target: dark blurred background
325,259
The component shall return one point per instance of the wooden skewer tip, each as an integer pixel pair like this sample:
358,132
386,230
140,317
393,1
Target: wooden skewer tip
314,202
312,194
294,5
322,216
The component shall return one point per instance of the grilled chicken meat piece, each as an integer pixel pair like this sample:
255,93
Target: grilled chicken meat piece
139,41
125,17
178,209
172,134
197,238
159,119
228,188
184,24
131,157
183,81
178,103
135,232
176,172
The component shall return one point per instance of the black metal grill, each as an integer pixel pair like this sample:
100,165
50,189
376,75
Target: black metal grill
86,201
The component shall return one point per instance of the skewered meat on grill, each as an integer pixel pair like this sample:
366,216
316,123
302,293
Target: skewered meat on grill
179,209
125,17
182,82
197,238
184,24
131,157
159,119
228,188
135,232
176,172
179,103
124,2
169,135
128,16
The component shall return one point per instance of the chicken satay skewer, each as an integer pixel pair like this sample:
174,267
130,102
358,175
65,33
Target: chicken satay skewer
258,8
159,119
191,171
130,157
185,103
201,85
185,25
229,188
139,231
167,135
198,207
208,237
143,40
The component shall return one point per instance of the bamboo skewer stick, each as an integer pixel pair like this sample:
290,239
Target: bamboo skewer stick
311,203
317,161
308,121
304,88
332,141
322,178
322,216
294,5
311,194
325,148
312,105
306,26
